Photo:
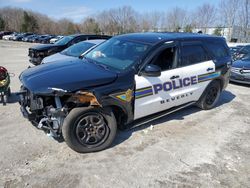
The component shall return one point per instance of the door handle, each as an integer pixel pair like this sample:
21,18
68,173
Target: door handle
174,77
210,69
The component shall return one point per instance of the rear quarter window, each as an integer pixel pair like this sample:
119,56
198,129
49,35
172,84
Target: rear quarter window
218,50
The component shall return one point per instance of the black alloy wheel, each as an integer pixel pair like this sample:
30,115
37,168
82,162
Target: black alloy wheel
89,129
210,96
92,130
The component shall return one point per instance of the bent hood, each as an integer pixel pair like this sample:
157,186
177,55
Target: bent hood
65,75
242,64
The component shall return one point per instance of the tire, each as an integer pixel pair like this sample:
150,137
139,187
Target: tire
5,99
89,129
210,96
2,98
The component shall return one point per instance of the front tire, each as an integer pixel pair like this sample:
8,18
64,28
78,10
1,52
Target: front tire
210,96
89,129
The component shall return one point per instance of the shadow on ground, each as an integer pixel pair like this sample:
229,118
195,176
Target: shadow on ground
226,97
13,98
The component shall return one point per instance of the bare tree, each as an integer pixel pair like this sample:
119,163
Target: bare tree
90,26
244,17
176,19
151,21
229,10
205,16
118,20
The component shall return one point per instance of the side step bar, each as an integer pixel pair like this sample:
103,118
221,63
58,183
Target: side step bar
156,116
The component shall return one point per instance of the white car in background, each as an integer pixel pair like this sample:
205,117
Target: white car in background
7,37
73,51
53,40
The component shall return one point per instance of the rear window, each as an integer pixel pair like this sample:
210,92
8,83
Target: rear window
218,50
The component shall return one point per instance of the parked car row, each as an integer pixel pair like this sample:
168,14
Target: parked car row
29,37
39,52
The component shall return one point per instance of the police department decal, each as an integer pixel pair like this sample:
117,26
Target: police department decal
165,87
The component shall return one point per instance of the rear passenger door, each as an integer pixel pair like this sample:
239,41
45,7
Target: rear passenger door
196,62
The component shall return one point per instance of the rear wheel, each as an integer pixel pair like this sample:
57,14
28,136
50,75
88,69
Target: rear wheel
89,129
210,96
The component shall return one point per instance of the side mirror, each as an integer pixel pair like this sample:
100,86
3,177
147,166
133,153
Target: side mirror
151,71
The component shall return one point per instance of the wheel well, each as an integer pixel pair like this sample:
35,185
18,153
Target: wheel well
120,115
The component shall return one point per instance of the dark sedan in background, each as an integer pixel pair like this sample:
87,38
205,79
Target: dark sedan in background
37,53
20,36
240,71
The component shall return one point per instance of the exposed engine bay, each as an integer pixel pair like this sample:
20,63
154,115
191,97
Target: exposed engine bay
48,112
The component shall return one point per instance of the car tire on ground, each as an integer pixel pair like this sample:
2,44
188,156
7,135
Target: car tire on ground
210,96
89,129
4,99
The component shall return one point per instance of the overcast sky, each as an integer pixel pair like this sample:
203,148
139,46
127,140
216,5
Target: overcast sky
76,10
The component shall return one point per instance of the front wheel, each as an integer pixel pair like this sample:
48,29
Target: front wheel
210,96
89,129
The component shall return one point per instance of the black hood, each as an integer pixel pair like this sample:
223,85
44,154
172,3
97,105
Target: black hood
67,75
242,64
42,47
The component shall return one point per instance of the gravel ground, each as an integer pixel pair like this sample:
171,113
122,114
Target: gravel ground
190,148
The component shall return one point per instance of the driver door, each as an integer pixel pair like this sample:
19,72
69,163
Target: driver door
152,93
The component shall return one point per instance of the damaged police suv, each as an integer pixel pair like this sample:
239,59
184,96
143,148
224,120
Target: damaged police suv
126,78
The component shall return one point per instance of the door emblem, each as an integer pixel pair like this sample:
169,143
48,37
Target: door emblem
129,95
124,96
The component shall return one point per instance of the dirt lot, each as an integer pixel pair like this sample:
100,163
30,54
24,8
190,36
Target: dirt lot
190,148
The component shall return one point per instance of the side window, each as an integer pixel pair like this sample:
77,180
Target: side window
192,54
78,39
218,50
165,59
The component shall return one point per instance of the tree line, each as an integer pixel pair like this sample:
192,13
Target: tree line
125,20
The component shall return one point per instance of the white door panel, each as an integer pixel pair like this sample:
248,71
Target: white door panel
148,100
199,70
155,94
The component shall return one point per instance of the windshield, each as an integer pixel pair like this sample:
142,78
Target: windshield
246,57
118,54
64,40
245,49
77,49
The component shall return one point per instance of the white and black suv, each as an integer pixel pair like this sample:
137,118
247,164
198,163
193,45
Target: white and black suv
126,78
